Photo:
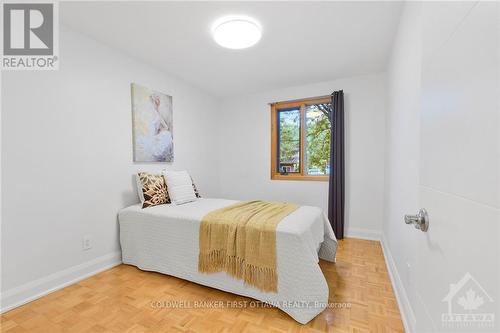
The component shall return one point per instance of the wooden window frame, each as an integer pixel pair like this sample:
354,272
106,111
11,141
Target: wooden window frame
275,107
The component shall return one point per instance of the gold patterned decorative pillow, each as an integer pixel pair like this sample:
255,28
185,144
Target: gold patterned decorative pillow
195,189
154,189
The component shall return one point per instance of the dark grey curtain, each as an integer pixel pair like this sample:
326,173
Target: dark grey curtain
336,196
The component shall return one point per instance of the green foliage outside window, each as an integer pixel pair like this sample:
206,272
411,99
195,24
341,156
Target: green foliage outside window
317,139
289,139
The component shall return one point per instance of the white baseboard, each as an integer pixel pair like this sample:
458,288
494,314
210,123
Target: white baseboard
362,233
33,290
405,308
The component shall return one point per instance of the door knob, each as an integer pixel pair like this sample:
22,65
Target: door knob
420,221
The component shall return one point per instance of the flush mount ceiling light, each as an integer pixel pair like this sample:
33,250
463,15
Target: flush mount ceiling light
236,32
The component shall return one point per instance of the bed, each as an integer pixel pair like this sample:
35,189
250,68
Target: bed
164,239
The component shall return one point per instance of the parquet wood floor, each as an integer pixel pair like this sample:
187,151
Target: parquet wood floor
120,300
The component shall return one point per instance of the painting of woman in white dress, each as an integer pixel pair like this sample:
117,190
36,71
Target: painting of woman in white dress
153,125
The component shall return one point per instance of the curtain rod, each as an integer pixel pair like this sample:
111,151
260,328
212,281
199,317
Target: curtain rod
299,99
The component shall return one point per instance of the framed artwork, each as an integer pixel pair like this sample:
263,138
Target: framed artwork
152,120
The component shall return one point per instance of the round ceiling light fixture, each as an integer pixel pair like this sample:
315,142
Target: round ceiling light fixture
236,32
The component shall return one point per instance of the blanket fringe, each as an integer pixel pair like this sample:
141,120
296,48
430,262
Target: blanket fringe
264,278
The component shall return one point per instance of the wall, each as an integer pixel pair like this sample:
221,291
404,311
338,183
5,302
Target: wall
67,161
402,153
1,186
244,143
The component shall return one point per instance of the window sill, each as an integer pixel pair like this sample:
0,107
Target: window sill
278,176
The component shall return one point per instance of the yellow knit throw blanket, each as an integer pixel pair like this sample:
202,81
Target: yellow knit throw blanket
240,240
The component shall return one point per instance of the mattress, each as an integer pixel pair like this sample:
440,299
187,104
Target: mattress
164,239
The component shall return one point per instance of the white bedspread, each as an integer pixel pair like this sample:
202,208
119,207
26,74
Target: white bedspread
165,239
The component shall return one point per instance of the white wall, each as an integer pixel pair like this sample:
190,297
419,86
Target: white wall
402,150
244,150
1,188
67,160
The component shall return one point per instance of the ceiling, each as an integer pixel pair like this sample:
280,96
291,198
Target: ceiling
302,42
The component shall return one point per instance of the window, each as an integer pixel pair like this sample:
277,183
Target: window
300,147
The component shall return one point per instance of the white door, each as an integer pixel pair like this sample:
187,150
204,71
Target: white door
459,169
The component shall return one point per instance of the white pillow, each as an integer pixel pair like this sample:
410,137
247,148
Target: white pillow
179,186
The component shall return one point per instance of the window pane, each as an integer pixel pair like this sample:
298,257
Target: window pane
318,139
289,140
